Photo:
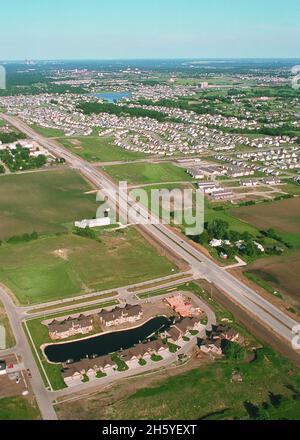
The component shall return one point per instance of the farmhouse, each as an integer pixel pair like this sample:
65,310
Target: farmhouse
70,327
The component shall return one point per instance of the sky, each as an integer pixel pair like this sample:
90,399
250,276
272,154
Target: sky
132,29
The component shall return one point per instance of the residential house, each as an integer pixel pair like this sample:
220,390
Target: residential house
70,327
120,315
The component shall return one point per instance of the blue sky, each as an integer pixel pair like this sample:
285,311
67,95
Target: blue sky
103,29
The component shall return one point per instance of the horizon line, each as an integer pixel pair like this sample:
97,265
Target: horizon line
150,59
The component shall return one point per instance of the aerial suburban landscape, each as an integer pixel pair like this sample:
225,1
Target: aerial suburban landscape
149,237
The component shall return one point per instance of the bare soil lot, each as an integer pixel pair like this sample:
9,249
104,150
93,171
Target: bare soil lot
283,215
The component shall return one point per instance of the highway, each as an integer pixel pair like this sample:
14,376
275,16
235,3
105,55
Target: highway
258,308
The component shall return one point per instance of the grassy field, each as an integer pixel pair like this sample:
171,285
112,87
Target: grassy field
144,173
99,149
283,216
279,273
36,273
208,393
43,202
48,132
10,340
17,408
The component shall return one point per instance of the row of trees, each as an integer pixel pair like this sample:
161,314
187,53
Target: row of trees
22,238
96,107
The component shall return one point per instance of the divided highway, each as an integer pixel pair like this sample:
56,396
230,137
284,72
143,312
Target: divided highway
257,307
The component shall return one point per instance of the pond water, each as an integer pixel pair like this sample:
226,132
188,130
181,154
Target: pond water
113,96
105,344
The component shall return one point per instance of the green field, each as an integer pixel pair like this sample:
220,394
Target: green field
208,393
48,132
144,173
43,202
281,274
17,408
36,273
99,149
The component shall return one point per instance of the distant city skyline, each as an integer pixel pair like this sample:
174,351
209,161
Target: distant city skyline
132,29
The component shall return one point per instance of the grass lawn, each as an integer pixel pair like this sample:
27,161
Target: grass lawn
43,202
36,273
280,274
99,149
17,408
143,173
4,321
48,132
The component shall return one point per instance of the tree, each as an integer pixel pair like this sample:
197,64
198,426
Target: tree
233,350
217,229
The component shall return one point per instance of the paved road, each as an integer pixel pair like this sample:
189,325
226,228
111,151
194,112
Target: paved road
259,308
22,347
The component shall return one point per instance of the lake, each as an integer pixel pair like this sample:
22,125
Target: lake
113,96
105,344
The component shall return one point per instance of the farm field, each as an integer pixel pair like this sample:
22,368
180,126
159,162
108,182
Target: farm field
43,202
147,173
283,215
99,149
52,268
279,273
